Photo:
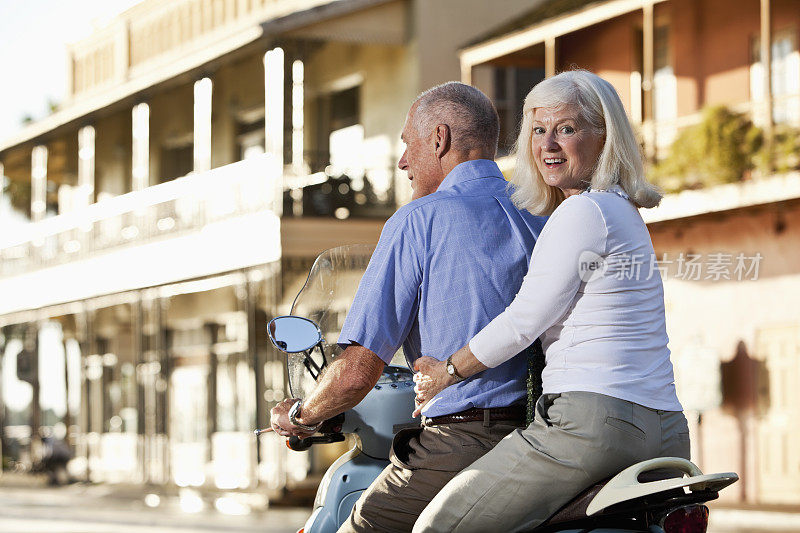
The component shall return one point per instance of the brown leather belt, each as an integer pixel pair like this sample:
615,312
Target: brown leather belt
476,414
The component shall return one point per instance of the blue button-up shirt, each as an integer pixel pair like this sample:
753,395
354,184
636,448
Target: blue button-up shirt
445,266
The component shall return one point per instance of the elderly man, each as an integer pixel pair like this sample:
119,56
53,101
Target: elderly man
446,264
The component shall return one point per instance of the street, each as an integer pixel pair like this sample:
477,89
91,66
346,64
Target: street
95,509
81,508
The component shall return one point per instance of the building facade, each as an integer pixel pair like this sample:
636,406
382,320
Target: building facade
210,149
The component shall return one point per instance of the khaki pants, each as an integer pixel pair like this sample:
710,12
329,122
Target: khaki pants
423,460
575,440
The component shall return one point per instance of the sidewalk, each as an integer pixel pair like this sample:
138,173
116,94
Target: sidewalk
727,517
301,496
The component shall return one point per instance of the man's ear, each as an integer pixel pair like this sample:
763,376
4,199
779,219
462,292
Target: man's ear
442,137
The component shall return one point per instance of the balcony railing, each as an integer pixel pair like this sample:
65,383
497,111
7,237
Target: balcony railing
156,32
167,210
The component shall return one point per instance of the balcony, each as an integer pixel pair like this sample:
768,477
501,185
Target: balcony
153,34
199,225
169,210
195,226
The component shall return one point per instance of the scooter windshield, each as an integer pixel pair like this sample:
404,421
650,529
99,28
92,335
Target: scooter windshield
325,298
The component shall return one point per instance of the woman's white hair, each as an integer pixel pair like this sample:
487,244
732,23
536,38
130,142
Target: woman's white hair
620,161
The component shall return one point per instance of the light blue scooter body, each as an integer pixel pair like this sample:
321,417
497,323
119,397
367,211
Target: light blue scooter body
384,411
342,485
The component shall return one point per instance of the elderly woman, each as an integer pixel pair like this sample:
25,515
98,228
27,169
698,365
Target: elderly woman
594,295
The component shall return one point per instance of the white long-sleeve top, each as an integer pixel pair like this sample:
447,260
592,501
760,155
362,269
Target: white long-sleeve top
593,293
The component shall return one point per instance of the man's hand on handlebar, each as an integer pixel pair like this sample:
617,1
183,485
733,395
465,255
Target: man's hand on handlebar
280,423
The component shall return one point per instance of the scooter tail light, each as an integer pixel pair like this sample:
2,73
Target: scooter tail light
689,519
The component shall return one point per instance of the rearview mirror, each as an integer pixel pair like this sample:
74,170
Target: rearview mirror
293,334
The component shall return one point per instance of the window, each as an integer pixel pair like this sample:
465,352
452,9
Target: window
17,348
665,91
176,161
785,76
250,138
345,108
511,86
336,111
116,369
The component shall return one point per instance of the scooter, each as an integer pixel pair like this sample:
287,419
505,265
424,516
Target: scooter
663,495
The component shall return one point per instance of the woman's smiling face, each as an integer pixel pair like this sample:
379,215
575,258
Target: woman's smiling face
565,147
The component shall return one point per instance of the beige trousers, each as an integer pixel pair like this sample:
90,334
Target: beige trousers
423,460
575,440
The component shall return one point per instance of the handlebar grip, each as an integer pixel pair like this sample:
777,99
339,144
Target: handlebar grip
299,445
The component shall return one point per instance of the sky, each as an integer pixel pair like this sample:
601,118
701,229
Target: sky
33,57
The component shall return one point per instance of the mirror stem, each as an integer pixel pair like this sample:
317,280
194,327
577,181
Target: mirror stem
308,360
322,351
308,367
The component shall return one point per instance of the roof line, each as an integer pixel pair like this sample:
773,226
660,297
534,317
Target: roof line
242,35
547,29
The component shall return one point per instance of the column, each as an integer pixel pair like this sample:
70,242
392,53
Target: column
2,191
549,57
636,97
38,182
766,62
466,72
273,121
202,125
140,170
86,154
298,164
648,70
256,338
32,347
162,388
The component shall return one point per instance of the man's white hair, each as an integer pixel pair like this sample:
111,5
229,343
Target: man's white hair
469,113
620,161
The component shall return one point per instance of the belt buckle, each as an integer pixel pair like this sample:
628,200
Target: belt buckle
426,421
